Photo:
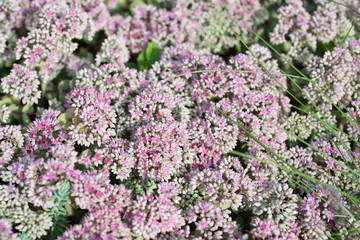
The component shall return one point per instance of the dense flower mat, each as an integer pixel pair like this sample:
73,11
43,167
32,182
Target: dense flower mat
201,119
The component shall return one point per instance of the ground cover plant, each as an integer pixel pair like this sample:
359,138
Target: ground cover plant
179,119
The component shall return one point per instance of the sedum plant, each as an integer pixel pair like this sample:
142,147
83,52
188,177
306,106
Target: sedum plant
182,119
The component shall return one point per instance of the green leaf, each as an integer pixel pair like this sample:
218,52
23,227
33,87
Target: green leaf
27,108
5,100
66,117
25,119
148,57
136,3
15,108
23,236
153,53
86,153
141,60
327,46
43,88
58,212
72,84
62,87
225,205
122,3
287,46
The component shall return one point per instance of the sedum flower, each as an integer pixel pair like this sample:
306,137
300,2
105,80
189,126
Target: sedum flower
214,24
150,216
93,189
45,132
6,230
113,51
161,149
93,118
14,207
4,114
11,141
22,83
99,223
